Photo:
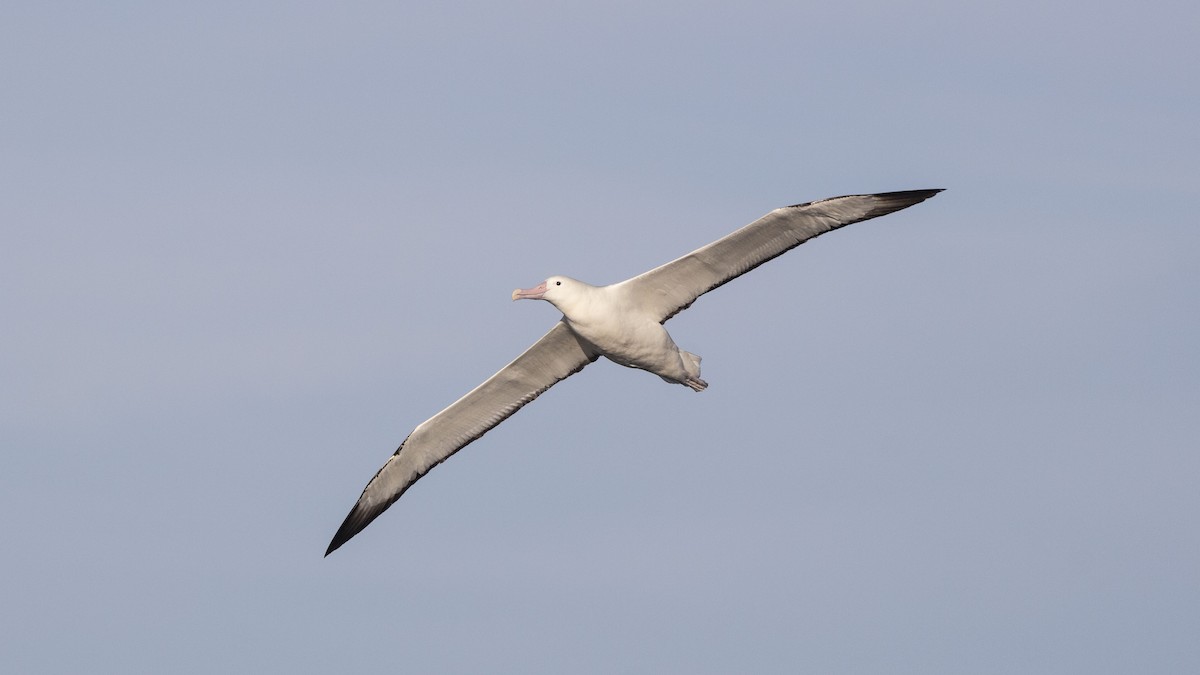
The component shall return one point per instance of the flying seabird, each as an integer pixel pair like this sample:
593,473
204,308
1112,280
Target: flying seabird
623,322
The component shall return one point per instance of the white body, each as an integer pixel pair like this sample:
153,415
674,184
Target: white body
611,319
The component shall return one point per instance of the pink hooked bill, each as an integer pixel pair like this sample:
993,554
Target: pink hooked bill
534,293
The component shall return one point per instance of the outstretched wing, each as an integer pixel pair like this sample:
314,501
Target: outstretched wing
673,287
559,354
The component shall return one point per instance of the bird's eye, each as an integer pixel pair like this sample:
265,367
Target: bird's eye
558,283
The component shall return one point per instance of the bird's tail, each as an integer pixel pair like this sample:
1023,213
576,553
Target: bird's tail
691,363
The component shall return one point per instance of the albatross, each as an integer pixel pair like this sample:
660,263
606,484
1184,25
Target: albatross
622,322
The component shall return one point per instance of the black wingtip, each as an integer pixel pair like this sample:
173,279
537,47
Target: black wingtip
927,193
908,197
890,202
333,546
358,518
886,202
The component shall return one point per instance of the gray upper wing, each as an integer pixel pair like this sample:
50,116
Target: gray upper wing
671,288
556,356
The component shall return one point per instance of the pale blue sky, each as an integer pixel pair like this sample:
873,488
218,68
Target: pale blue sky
248,246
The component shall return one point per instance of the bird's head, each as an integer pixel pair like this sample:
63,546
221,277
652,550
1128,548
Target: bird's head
557,290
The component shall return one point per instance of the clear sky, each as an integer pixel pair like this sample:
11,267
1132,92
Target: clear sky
247,247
